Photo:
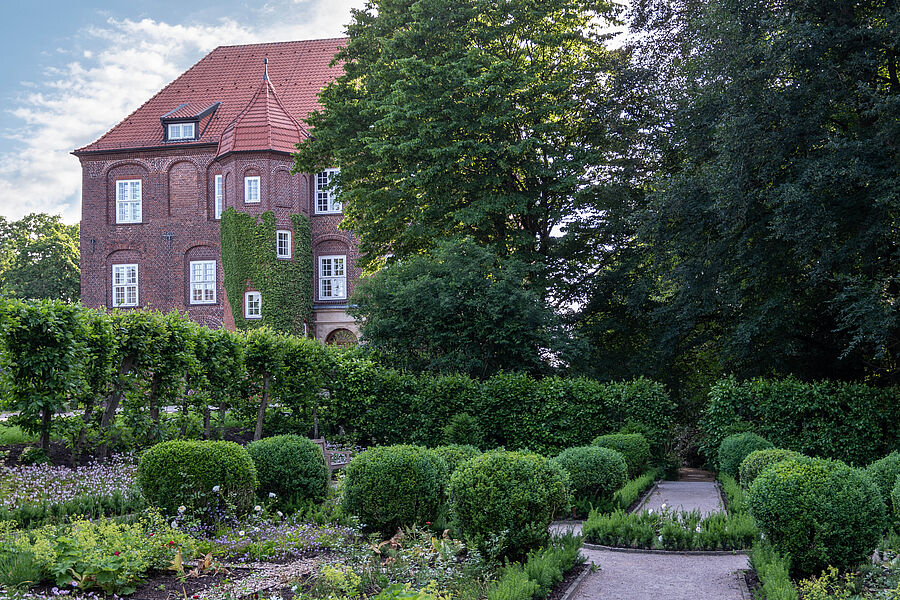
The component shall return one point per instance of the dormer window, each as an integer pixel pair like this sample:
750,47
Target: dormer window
181,131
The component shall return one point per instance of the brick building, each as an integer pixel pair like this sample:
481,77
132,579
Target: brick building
219,136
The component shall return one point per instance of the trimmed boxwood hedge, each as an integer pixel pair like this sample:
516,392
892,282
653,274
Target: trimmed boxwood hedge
760,460
456,454
291,467
633,447
895,497
395,486
503,502
178,472
595,473
735,448
884,473
820,512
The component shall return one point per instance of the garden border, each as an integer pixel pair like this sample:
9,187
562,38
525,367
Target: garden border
590,546
643,497
576,585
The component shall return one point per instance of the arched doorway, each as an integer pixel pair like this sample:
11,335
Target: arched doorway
341,337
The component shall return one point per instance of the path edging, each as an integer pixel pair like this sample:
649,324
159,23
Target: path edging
669,552
573,588
642,499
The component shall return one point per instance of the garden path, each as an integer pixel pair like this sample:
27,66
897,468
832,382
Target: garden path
684,495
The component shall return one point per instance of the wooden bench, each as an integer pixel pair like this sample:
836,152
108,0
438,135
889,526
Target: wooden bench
334,459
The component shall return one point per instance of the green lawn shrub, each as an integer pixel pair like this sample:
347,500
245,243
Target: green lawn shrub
291,467
851,422
203,476
503,502
735,448
595,473
759,460
632,446
819,512
395,486
773,571
456,454
884,473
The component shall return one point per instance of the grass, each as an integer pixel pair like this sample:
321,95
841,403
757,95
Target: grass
13,434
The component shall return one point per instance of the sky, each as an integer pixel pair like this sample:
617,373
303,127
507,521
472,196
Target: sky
71,70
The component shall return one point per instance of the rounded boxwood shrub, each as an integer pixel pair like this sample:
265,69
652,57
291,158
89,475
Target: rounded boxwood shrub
884,473
735,448
503,502
395,486
595,473
456,454
759,460
895,497
632,446
203,476
291,467
821,512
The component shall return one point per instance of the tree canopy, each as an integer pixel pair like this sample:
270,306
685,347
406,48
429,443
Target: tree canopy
39,258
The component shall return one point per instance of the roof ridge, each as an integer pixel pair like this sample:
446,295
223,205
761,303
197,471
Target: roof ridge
329,39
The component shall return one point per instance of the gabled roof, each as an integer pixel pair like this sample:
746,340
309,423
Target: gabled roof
231,75
263,125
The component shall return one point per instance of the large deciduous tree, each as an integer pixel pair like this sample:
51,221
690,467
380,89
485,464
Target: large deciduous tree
39,258
468,118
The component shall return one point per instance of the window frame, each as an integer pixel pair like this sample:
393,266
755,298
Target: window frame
181,125
247,296
138,215
205,282
248,179
125,286
286,255
331,195
218,196
331,278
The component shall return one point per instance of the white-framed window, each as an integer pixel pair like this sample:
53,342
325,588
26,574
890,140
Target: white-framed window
326,196
181,131
252,305
332,277
251,190
124,285
128,201
203,281
219,197
283,243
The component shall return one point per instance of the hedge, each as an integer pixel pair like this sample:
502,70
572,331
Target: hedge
884,473
851,422
759,460
735,448
291,467
632,446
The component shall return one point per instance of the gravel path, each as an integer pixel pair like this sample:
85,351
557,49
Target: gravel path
685,495
646,576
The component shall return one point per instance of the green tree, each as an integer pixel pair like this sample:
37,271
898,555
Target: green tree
464,118
39,258
457,309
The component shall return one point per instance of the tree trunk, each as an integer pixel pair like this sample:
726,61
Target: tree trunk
206,427
112,404
154,409
262,409
46,416
86,419
184,417
316,423
222,410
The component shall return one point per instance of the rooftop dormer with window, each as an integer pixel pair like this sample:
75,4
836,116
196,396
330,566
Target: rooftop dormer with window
184,122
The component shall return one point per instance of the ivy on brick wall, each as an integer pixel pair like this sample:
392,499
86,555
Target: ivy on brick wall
249,262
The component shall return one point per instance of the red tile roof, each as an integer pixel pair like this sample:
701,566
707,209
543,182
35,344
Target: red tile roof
233,75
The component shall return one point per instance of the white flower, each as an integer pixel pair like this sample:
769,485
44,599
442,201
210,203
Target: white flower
650,512
216,488
280,514
664,506
659,538
698,529
241,533
182,508
174,525
271,494
257,508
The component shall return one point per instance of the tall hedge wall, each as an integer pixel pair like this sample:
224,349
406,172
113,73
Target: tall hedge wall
851,422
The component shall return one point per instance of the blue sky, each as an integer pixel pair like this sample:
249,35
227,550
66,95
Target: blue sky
73,69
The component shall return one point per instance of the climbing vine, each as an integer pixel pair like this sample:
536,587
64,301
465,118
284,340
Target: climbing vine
250,262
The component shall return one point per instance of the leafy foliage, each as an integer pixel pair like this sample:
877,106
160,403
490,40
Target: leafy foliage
504,501
395,486
291,467
759,460
456,454
884,473
671,531
632,446
463,429
249,259
39,258
820,512
773,571
735,448
595,473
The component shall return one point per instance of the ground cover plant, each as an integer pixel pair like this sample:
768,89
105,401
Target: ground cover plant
629,493
670,530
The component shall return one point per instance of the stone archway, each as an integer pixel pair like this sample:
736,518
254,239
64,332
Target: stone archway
341,337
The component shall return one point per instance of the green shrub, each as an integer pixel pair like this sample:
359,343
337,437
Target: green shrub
503,501
884,473
735,448
759,460
773,571
34,456
203,476
463,429
291,467
513,585
895,497
668,530
629,493
594,473
820,512
734,494
395,486
852,422
544,568
456,454
29,516
633,447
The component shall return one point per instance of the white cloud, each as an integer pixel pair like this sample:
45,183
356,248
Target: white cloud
78,102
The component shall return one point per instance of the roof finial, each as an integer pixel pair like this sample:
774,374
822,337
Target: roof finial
265,69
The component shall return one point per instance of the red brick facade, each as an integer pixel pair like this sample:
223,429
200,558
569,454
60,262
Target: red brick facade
178,223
